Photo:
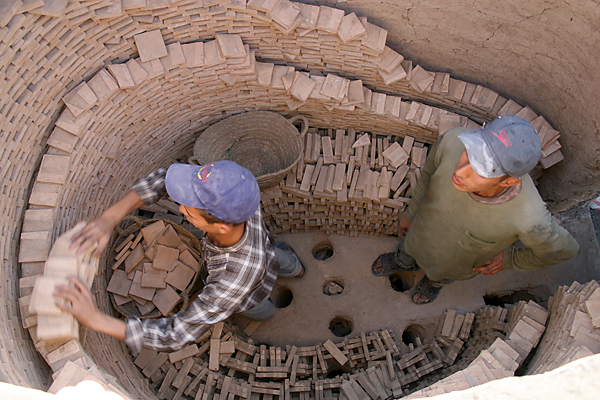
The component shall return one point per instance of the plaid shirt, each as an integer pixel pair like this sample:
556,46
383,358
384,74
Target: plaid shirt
239,277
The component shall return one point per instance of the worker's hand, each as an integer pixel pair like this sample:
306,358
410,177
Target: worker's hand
96,231
492,266
403,226
77,299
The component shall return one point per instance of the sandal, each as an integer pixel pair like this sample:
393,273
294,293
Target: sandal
425,288
285,246
389,266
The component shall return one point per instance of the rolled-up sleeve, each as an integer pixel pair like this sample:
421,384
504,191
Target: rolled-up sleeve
151,188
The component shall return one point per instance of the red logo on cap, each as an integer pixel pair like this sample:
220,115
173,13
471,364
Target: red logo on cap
204,172
503,137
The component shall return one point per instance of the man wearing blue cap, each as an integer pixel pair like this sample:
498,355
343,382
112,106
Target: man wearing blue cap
242,264
474,199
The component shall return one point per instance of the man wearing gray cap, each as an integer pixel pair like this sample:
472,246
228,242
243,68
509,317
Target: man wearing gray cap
475,199
222,199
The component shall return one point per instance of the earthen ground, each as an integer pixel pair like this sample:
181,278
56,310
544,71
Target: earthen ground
371,303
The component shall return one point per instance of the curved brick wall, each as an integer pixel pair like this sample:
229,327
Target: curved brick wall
47,52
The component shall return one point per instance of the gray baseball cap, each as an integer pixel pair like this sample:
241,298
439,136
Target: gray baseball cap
509,145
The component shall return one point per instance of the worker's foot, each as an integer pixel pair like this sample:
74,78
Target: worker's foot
287,247
426,291
386,265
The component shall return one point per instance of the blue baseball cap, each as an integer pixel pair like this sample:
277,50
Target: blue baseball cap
223,188
509,145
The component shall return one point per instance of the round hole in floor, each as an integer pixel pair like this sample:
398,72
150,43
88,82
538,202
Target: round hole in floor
283,297
341,326
323,250
338,370
412,333
333,286
398,284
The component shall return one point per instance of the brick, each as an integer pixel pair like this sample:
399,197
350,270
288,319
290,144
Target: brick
390,60
286,13
174,57
310,15
212,55
396,155
154,68
138,290
137,72
165,258
150,45
71,123
122,75
62,140
52,8
302,86
335,87
194,54
375,37
180,276
230,45
166,300
351,28
393,76
42,300
330,19
80,99
34,246
103,85
119,284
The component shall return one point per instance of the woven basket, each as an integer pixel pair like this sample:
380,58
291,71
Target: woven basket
264,142
133,225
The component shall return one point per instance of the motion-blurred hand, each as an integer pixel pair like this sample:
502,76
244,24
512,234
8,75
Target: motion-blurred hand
77,300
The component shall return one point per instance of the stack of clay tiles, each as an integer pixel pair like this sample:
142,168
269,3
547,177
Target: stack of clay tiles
347,184
98,93
370,366
573,329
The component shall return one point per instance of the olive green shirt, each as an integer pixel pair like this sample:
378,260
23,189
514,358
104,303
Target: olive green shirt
451,232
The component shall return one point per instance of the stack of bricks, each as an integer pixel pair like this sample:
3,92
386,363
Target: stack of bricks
573,329
347,183
152,268
55,332
148,106
223,363
500,342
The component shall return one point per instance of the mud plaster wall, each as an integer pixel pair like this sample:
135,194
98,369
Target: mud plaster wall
541,55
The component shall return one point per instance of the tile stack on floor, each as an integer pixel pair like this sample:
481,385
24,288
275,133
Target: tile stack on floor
371,365
573,329
348,183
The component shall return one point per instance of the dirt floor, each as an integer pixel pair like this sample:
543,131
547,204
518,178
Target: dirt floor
371,303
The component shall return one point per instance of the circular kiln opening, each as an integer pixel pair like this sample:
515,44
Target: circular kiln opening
398,283
323,250
341,326
414,334
282,297
333,287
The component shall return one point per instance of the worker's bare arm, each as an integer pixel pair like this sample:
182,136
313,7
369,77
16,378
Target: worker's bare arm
100,229
79,301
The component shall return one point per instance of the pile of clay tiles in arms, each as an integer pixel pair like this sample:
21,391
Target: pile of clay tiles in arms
348,182
224,364
152,268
